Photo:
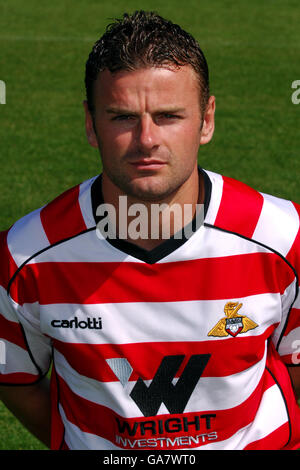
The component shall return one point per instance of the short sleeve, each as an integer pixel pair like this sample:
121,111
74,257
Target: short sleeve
25,353
287,336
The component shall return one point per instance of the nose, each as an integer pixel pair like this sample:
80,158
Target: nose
148,133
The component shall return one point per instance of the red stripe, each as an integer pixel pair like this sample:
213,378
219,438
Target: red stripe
291,358
12,332
228,356
240,207
62,218
294,320
19,378
293,256
280,371
8,265
101,421
228,277
274,441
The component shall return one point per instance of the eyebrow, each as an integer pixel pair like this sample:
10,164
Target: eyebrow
170,110
119,111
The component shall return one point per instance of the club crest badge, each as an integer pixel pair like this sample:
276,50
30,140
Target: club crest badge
233,323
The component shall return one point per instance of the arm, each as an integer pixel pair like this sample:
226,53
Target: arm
31,406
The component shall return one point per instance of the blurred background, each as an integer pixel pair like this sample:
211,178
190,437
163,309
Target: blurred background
253,52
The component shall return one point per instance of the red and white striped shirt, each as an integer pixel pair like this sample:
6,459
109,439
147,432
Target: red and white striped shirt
181,347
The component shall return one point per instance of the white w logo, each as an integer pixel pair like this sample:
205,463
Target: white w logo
162,390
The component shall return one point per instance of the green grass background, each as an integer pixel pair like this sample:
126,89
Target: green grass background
253,51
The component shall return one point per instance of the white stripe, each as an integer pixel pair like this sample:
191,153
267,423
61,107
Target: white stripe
278,224
205,243
265,422
269,417
85,202
216,196
6,306
17,360
39,344
286,301
297,301
80,440
211,393
26,237
12,311
140,322
209,243
290,344
76,249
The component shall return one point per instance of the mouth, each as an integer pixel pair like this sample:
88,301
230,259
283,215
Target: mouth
146,164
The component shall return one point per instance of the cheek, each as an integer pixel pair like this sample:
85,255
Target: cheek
114,142
122,142
193,136
185,138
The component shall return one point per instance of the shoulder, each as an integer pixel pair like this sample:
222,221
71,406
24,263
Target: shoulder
264,218
62,218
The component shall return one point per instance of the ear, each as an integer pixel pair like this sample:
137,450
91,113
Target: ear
208,122
89,126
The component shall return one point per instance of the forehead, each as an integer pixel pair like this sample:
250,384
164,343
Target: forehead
151,84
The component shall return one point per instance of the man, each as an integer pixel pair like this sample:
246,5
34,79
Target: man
187,342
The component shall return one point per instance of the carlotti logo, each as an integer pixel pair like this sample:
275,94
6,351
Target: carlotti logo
163,431
90,323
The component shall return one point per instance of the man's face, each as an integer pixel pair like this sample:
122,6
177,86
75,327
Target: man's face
148,129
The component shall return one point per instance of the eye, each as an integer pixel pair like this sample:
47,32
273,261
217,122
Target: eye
123,117
170,116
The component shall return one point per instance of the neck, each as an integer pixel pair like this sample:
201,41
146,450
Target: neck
148,223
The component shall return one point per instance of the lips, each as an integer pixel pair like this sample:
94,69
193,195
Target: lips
148,164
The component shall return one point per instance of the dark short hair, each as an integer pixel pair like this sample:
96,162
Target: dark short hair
145,39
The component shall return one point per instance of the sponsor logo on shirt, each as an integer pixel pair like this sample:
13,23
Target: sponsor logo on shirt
162,389
232,324
164,431
89,323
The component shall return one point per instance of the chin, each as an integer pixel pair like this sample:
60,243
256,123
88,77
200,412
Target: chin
150,193
154,188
